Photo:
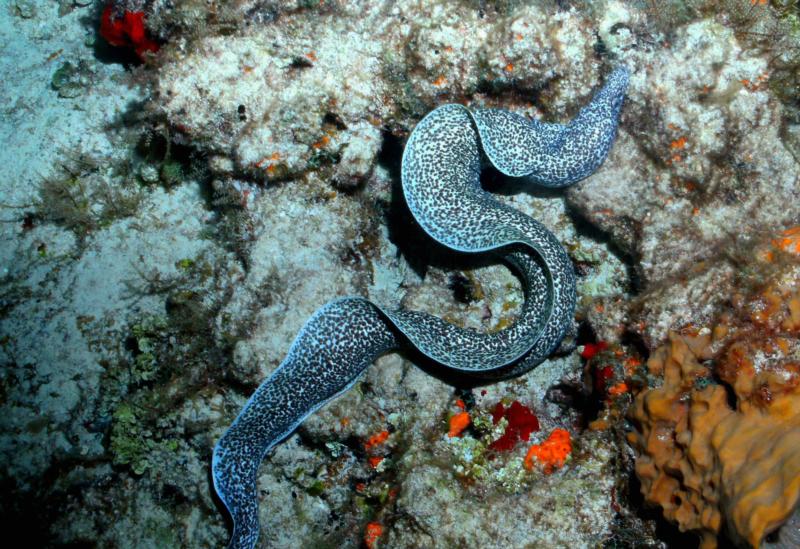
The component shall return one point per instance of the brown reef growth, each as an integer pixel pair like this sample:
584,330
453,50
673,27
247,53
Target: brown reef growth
717,441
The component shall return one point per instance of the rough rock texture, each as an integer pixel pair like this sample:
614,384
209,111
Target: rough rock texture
90,253
273,98
700,172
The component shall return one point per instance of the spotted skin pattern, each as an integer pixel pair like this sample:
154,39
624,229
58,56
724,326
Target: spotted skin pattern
441,183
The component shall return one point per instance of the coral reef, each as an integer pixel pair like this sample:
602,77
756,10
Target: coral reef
307,117
713,464
168,224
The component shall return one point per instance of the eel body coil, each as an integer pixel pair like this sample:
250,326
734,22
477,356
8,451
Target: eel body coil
441,183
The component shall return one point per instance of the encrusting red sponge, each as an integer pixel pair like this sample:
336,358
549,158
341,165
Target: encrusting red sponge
521,423
127,31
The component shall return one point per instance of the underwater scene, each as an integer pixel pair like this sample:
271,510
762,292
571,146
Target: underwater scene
380,274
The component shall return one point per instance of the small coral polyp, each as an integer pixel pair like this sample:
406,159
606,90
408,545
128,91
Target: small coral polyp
715,468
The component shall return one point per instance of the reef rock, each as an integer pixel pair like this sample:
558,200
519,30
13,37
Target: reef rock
700,171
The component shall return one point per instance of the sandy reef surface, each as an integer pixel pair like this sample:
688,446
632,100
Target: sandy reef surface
171,218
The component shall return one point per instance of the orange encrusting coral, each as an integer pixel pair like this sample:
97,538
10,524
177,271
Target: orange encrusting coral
678,143
323,141
373,532
789,240
710,466
458,423
618,389
271,159
552,453
376,439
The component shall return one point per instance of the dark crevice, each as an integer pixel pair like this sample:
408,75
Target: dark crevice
584,227
508,91
586,334
24,511
636,341
336,121
730,394
665,531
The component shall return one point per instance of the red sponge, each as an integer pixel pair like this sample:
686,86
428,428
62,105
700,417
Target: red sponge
127,31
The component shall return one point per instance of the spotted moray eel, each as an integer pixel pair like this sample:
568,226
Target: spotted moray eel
441,183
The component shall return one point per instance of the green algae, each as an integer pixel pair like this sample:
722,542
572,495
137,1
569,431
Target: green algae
134,444
146,333
171,173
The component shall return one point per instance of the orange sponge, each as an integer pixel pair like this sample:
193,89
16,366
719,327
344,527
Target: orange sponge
712,465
